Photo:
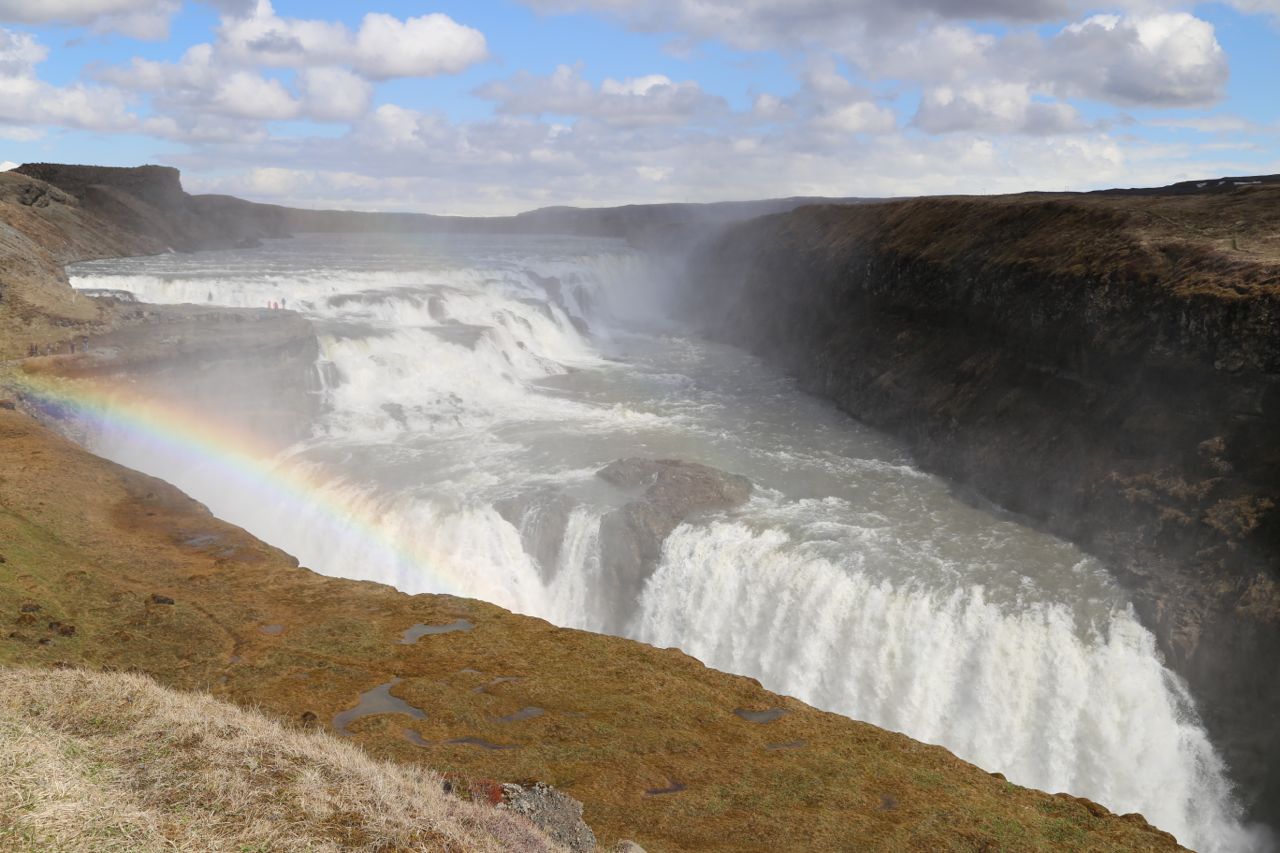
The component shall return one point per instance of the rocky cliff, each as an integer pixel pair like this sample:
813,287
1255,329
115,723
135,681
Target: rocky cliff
1107,366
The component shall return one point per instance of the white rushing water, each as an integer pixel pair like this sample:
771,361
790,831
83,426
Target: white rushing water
473,386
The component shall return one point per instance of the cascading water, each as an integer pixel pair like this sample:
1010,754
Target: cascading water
473,386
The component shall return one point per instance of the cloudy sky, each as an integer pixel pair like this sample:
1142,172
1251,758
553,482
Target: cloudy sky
486,107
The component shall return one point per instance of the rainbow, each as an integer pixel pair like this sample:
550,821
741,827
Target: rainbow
242,464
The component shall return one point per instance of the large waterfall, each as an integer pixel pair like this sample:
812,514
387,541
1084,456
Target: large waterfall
472,388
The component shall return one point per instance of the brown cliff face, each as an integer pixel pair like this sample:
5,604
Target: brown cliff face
1107,366
149,201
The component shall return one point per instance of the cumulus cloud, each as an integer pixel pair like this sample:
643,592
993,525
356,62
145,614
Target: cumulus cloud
1157,60
649,100
858,117
993,108
334,94
383,47
26,101
201,84
8,165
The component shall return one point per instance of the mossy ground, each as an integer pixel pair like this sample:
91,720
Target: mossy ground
99,550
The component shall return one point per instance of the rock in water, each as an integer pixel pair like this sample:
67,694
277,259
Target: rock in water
631,537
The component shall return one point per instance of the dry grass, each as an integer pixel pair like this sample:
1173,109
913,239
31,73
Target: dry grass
113,762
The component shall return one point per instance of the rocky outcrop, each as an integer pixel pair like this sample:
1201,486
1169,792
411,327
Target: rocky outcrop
1107,366
631,536
556,814
149,201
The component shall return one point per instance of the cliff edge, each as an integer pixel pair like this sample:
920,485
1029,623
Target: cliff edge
1106,365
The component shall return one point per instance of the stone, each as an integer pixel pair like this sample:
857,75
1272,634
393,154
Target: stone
556,814
631,537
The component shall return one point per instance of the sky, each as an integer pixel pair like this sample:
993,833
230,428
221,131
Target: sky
490,107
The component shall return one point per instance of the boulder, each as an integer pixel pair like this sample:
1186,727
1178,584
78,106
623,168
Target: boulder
631,536
556,814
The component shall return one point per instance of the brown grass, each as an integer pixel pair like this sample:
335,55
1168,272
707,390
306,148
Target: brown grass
114,762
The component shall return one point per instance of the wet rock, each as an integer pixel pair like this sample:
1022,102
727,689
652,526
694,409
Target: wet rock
541,516
161,599
556,814
631,537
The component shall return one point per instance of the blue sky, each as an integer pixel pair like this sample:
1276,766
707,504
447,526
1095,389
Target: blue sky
493,107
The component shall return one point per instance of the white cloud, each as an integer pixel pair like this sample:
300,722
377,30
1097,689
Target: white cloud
412,160
8,165
993,108
768,24
649,100
383,46
1262,7
334,94
148,19
1155,60
201,84
858,117
27,102
244,94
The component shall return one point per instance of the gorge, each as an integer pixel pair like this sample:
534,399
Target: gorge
443,427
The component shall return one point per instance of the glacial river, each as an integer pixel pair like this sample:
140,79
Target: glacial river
472,387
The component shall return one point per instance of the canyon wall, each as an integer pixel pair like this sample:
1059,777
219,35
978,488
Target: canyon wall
1106,366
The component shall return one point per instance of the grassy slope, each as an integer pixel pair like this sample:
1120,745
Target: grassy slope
90,543
92,761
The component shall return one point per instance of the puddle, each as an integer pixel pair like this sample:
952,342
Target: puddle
416,739
271,629
375,701
674,788
518,716
411,636
480,742
760,716
795,744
